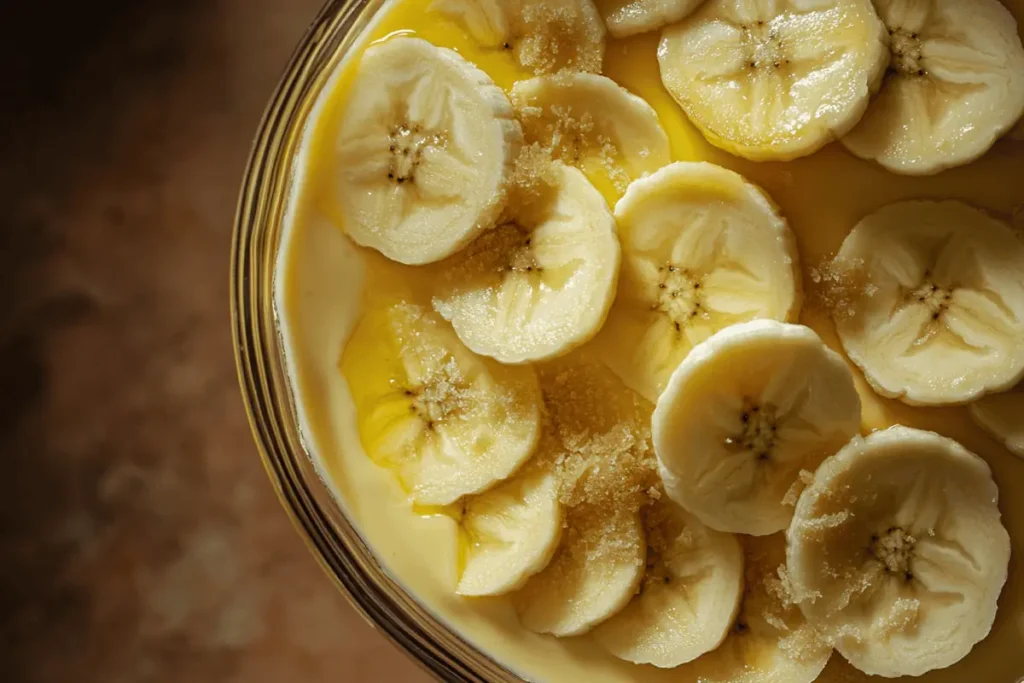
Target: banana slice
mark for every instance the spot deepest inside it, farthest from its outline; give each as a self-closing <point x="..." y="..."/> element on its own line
<point x="689" y="595"/>
<point x="591" y="122"/>
<point x="769" y="641"/>
<point x="546" y="36"/>
<point x="702" y="249"/>
<point x="510" y="532"/>
<point x="625" y="18"/>
<point x="941" y="320"/>
<point x="426" y="147"/>
<point x="774" y="81"/>
<point x="742" y="416"/>
<point x="447" y="421"/>
<point x="540" y="285"/>
<point x="594" y="574"/>
<point x="955" y="85"/>
<point x="897" y="553"/>
<point x="1002" y="416"/>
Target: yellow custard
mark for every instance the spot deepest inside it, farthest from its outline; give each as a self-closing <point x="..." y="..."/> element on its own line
<point x="324" y="282"/>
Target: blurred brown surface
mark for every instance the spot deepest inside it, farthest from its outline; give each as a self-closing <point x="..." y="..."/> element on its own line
<point x="140" y="539"/>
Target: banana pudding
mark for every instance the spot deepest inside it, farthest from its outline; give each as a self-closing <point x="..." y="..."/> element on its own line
<point x="675" y="341"/>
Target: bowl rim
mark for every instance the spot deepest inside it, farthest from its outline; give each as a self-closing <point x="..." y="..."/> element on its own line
<point x="266" y="392"/>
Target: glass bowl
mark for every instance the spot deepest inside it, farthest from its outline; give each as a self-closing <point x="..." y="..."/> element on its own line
<point x="331" y="537"/>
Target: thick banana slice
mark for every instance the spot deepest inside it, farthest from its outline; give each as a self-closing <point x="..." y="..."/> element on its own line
<point x="546" y="36"/>
<point x="702" y="249"/>
<point x="1002" y="415"/>
<point x="955" y="85"/>
<point x="625" y="18"/>
<point x="771" y="80"/>
<point x="689" y="595"/>
<point x="770" y="641"/>
<point x="941" y="320"/>
<point x="510" y="532"/>
<point x="426" y="145"/>
<point x="743" y="415"/>
<point x="591" y="122"/>
<point x="897" y="553"/>
<point x="594" y="574"/>
<point x="540" y="285"/>
<point x="447" y="421"/>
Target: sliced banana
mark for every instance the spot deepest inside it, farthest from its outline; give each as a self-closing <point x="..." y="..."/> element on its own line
<point x="594" y="574"/>
<point x="546" y="36"/>
<point x="1002" y="416"/>
<point x="769" y="641"/>
<point x="541" y="284"/>
<point x="897" y="553"/>
<point x="625" y="18"/>
<point x="941" y="320"/>
<point x="774" y="80"/>
<point x="742" y="416"/>
<point x="955" y="85"/>
<point x="448" y="422"/>
<point x="702" y="249"/>
<point x="426" y="146"/>
<point x="689" y="596"/>
<point x="510" y="532"/>
<point x="591" y="122"/>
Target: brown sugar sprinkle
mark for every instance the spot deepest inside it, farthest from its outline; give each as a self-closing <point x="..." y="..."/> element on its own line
<point x="570" y="137"/>
<point x="836" y="286"/>
<point x="802" y="644"/>
<point x="555" y="38"/>
<point x="533" y="175"/>
<point x="601" y="436"/>
<point x="903" y="617"/>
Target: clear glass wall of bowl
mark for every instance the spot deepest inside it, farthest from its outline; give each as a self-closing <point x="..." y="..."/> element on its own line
<point x="265" y="390"/>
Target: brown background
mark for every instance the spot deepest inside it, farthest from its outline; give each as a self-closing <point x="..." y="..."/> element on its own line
<point x="139" y="538"/>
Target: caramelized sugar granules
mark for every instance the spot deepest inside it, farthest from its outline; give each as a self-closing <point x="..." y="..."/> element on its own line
<point x="571" y="137"/>
<point x="604" y="454"/>
<point x="532" y="176"/>
<point x="557" y="37"/>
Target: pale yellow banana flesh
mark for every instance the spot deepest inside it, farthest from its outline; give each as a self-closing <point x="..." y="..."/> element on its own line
<point x="769" y="641"/>
<point x="743" y="415"/>
<point x="939" y="318"/>
<point x="420" y="173"/>
<point x="689" y="595"/>
<point x="510" y="533"/>
<point x="1002" y="416"/>
<point x="955" y="85"/>
<point x="702" y="249"/>
<point x="631" y="17"/>
<point x="595" y="572"/>
<point x="591" y="122"/>
<point x="897" y="554"/>
<point x="541" y="284"/>
<point x="774" y="80"/>
<point x="448" y="422"/>
<point x="546" y="36"/>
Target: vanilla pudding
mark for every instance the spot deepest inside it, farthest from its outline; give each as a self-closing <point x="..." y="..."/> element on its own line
<point x="336" y="302"/>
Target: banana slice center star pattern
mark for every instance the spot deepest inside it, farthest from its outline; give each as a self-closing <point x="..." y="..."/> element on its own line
<point x="407" y="146"/>
<point x="763" y="43"/>
<point x="894" y="549"/>
<point x="907" y="53"/>
<point x="758" y="434"/>
<point x="679" y="295"/>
